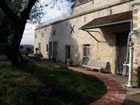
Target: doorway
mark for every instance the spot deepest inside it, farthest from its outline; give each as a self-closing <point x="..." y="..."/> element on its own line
<point x="67" y="53"/>
<point x="121" y="51"/>
<point x="53" y="50"/>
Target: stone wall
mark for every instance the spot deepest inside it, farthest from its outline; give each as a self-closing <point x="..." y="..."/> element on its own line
<point x="104" y="50"/>
<point x="136" y="35"/>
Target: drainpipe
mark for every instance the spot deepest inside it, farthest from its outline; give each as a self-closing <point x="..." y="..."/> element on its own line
<point x="130" y="63"/>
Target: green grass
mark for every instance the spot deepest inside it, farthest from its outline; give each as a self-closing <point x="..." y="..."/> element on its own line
<point x="44" y="84"/>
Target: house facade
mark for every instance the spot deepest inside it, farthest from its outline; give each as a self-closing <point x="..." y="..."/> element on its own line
<point x="96" y="30"/>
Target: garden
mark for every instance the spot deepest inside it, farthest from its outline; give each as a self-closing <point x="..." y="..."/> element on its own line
<point x="45" y="84"/>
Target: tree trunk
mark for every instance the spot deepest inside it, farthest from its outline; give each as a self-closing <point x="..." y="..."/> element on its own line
<point x="15" y="57"/>
<point x="17" y="25"/>
<point x="13" y="49"/>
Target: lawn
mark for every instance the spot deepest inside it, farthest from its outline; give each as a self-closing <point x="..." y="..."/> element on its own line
<point x="44" y="84"/>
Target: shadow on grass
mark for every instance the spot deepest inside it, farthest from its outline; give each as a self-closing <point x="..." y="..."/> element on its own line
<point x="62" y="86"/>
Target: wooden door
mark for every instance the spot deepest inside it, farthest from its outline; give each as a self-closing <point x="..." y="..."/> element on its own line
<point x="67" y="53"/>
<point x="121" y="49"/>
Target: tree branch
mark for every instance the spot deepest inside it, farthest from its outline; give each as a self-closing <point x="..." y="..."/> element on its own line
<point x="26" y="12"/>
<point x="9" y="12"/>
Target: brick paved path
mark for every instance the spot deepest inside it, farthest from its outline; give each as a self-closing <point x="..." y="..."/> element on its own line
<point x="116" y="93"/>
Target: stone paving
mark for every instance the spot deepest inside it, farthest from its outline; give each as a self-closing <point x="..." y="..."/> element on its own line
<point x="132" y="99"/>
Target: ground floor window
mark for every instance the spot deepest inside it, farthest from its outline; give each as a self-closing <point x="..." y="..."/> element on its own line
<point x="86" y="52"/>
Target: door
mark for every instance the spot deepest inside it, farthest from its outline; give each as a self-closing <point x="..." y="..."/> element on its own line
<point x="54" y="50"/>
<point x="121" y="50"/>
<point x="67" y="53"/>
<point x="50" y="50"/>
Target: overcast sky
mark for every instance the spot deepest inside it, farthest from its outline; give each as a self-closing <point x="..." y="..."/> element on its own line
<point x="61" y="10"/>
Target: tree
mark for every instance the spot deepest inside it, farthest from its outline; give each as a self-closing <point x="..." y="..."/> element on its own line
<point x="15" y="13"/>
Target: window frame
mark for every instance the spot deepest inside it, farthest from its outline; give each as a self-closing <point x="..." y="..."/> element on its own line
<point x="86" y="52"/>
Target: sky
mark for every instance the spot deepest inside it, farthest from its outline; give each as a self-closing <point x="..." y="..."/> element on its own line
<point x="61" y="10"/>
<point x="28" y="36"/>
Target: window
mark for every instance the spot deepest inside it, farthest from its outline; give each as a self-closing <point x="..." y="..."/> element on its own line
<point x="52" y="50"/>
<point x="86" y="52"/>
<point x="35" y="36"/>
<point x="84" y="19"/>
<point x="54" y="32"/>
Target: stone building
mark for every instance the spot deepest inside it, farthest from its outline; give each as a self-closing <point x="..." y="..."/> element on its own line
<point x="96" y="30"/>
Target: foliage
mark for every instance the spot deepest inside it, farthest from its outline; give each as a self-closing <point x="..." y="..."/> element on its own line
<point x="16" y="14"/>
<point x="4" y="28"/>
<point x="44" y="84"/>
<point x="20" y="5"/>
<point x="16" y="87"/>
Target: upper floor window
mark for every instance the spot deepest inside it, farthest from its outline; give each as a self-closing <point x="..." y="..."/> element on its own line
<point x="52" y="50"/>
<point x="84" y="19"/>
<point x="54" y="32"/>
<point x="35" y="35"/>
